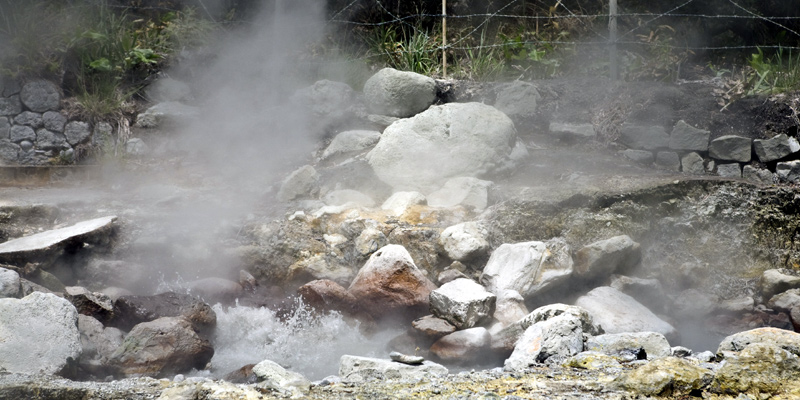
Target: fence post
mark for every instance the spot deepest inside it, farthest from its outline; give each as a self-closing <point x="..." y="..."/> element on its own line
<point x="444" y="39"/>
<point x="612" y="38"/>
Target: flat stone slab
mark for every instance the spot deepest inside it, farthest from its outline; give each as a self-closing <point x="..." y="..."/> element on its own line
<point x="36" y="246"/>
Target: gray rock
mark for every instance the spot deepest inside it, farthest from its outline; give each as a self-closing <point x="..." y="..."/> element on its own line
<point x="528" y="268"/>
<point x="463" y="303"/>
<point x="98" y="342"/>
<point x="399" y="93"/>
<point x="303" y="182"/>
<point x="731" y="148"/>
<point x="508" y="336"/>
<point x="668" y="160"/>
<point x="93" y="304"/>
<point x="369" y="241"/>
<point x="271" y="375"/>
<point x="9" y="86"/>
<point x="510" y="308"/>
<point x="162" y="347"/>
<point x="649" y="292"/>
<point x="469" y="345"/>
<point x="26" y="145"/>
<point x="785" y="301"/>
<point x="463" y="191"/>
<point x="49" y="140"/>
<point x="710" y="165"/>
<point x="654" y="344"/>
<point x="759" y="368"/>
<point x="692" y="163"/>
<point x="5" y="128"/>
<point x="737" y="306"/>
<point x="668" y="376"/>
<point x="592" y="360"/>
<point x="406" y="359"/>
<point x="758" y="175"/>
<point x="103" y="134"/>
<point x="42" y="246"/>
<point x="9" y="283"/>
<point x="360" y="369"/>
<point x="168" y="89"/>
<point x="54" y="121"/>
<point x="464" y="241"/>
<point x="328" y="102"/>
<point x="399" y="202"/>
<point x="40" y="334"/>
<point x="10" y="106"/>
<point x="381" y="120"/>
<point x="617" y="312"/>
<point x="787" y="340"/>
<point x="32" y="119"/>
<point x="651" y="137"/>
<point x="136" y="147"/>
<point x="130" y="311"/>
<point x="788" y="171"/>
<point x="9" y="152"/>
<point x="732" y="170"/>
<point x="775" y="148"/>
<point x="554" y="339"/>
<point x="694" y="304"/>
<point x="449" y="275"/>
<point x="605" y="257"/>
<point x="77" y="132"/>
<point x="40" y="96"/>
<point x="680" y="351"/>
<point x="774" y="281"/>
<point x="351" y="142"/>
<point x="345" y="196"/>
<point x="477" y="139"/>
<point x="517" y="99"/>
<point x="432" y="328"/>
<point x="165" y="114"/>
<point x="572" y="131"/>
<point x="687" y="137"/>
<point x="639" y="156"/>
<point x="19" y="133"/>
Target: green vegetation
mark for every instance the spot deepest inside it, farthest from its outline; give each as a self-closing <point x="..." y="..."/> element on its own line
<point x="779" y="72"/>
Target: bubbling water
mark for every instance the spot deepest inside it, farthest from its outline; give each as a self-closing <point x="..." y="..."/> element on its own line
<point x="305" y="341"/>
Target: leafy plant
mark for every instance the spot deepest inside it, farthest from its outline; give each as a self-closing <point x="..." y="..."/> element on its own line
<point x="778" y="73"/>
<point x="410" y="49"/>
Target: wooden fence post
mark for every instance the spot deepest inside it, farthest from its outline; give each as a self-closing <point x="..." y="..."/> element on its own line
<point x="444" y="38"/>
<point x="612" y="38"/>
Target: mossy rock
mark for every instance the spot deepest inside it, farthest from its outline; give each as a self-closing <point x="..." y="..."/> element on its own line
<point x="759" y="368"/>
<point x="668" y="376"/>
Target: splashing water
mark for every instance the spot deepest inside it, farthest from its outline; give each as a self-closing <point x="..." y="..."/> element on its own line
<point x="305" y="342"/>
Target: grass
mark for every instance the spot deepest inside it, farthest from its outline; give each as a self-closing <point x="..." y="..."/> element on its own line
<point x="777" y="73"/>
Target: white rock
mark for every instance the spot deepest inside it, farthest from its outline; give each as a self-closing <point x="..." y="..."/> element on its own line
<point x="274" y="376"/>
<point x="350" y="142"/>
<point x="464" y="191"/>
<point x="605" y="257"/>
<point x="617" y="312"/>
<point x="399" y="202"/>
<point x="399" y="93"/>
<point x="464" y="241"/>
<point x="558" y="337"/>
<point x="360" y="369"/>
<point x="510" y="307"/>
<point x="654" y="344"/>
<point x="463" y="303"/>
<point x="302" y="182"/>
<point x="528" y="268"/>
<point x="9" y="283"/>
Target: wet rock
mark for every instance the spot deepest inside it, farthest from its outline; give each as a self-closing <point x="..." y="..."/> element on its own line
<point x="432" y="328"/>
<point x="361" y="369"/>
<point x="528" y="268"/>
<point x="303" y="182"/>
<point x="731" y="148"/>
<point x="569" y="131"/>
<point x="351" y="142"/>
<point x="479" y="139"/>
<point x="39" y="334"/>
<point x="390" y="283"/>
<point x="554" y="339"/>
<point x="644" y="137"/>
<point x="348" y="196"/>
<point x="508" y="336"/>
<point x="46" y="246"/>
<point x="93" y="304"/>
<point x="40" y="96"/>
<point x="464" y="241"/>
<point x="732" y="170"/>
<point x="273" y="376"/>
<point x="759" y="367"/>
<point x="9" y="283"/>
<point x="166" y="114"/>
<point x="162" y="347"/>
<point x="592" y="360"/>
<point x="655" y="345"/>
<point x="605" y="257"/>
<point x="133" y="310"/>
<point x="517" y="99"/>
<point x="787" y="340"/>
<point x="774" y="281"/>
<point x="54" y="121"/>
<point x="692" y="163"/>
<point x="775" y="148"/>
<point x="98" y="343"/>
<point x="399" y="93"/>
<point x="758" y="175"/>
<point x="464" y="346"/>
<point x="10" y="106"/>
<point x="399" y="202"/>
<point x="649" y="292"/>
<point x="327" y="295"/>
<point x="670" y="376"/>
<point x="465" y="191"/>
<point x="463" y="303"/>
<point x="213" y="290"/>
<point x="687" y="137"/>
<point x="787" y="171"/>
<point x="617" y="312"/>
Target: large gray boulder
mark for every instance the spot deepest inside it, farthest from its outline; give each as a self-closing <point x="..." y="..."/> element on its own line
<point x="687" y="137"/>
<point x="654" y="344"/>
<point x="464" y="241"/>
<point x="617" y="312"/>
<point x="360" y="369"/>
<point x="651" y="137"/>
<point x="787" y="340"/>
<point x="731" y="148"/>
<point x="517" y="99"/>
<point x="351" y="142"/>
<point x="47" y="245"/>
<point x="692" y="163"/>
<point x="774" y="281"/>
<point x="98" y="343"/>
<point x="788" y="171"/>
<point x="775" y="148"/>
<point x="399" y="202"/>
<point x="54" y="121"/>
<point x="399" y="93"/>
<point x="302" y="182"/>
<point x="759" y="368"/>
<point x="39" y="334"/>
<point x="462" y="191"/>
<point x="46" y="140"/>
<point x="447" y="141"/>
<point x="9" y="283"/>
<point x="463" y="303"/>
<point x="271" y="375"/>
<point x="604" y="257"/>
<point x="558" y="338"/>
<point x="468" y="345"/>
<point x="528" y="268"/>
<point x="508" y="336"/>
<point x="40" y="96"/>
<point x="19" y="133"/>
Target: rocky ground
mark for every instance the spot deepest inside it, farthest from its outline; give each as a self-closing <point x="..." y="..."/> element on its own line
<point x="658" y="241"/>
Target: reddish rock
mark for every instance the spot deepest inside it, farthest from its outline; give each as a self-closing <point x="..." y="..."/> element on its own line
<point x="390" y="284"/>
<point x="327" y="295"/>
<point x="432" y="328"/>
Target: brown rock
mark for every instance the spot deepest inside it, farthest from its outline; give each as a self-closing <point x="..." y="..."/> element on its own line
<point x="132" y="310"/>
<point x="96" y="305"/>
<point x="327" y="295"/>
<point x="390" y="284"/>
<point x="432" y="328"/>
<point x="463" y="346"/>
